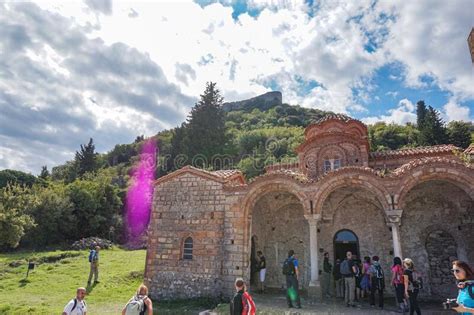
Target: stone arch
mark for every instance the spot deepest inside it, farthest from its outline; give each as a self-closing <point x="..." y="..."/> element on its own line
<point x="441" y="249"/>
<point x="453" y="172"/>
<point x="263" y="185"/>
<point x="276" y="216"/>
<point x="273" y="183"/>
<point x="347" y="177"/>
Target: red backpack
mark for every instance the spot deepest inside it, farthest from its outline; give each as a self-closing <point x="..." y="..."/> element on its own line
<point x="248" y="304"/>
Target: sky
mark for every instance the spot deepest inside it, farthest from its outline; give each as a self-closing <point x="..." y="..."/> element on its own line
<point x="113" y="70"/>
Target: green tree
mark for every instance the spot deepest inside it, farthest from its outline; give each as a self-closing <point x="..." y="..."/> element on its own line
<point x="15" y="203"/>
<point x="205" y="130"/>
<point x="55" y="223"/>
<point x="421" y="111"/>
<point x="86" y="158"/>
<point x="96" y="201"/>
<point x="431" y="127"/>
<point x="44" y="172"/>
<point x="178" y="146"/>
<point x="384" y="136"/>
<point x="66" y="172"/>
<point x="16" y="177"/>
<point x="459" y="133"/>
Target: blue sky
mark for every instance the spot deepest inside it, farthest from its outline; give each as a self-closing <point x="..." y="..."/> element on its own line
<point x="114" y="70"/>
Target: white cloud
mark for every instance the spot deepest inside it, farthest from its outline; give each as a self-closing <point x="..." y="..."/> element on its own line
<point x="402" y="114"/>
<point x="429" y="38"/>
<point x="150" y="55"/>
<point x="454" y="111"/>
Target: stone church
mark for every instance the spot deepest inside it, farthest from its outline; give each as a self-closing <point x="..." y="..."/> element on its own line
<point x="206" y="227"/>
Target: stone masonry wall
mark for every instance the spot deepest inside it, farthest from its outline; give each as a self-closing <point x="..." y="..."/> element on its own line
<point x="186" y="206"/>
<point x="357" y="210"/>
<point x="279" y="225"/>
<point x="436" y="229"/>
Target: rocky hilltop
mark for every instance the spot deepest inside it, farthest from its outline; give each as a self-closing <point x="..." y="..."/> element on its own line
<point x="262" y="102"/>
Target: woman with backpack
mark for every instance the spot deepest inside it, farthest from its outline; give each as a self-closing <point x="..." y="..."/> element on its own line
<point x="465" y="278"/>
<point x="365" y="282"/>
<point x="397" y="282"/>
<point x="139" y="304"/>
<point x="412" y="285"/>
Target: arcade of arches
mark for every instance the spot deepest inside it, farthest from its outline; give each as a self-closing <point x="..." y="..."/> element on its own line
<point x="416" y="203"/>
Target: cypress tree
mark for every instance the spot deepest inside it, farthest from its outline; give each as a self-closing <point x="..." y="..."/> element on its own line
<point x="86" y="158"/>
<point x="205" y="131"/>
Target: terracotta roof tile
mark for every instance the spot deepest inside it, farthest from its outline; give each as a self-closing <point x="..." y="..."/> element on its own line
<point x="470" y="149"/>
<point x="225" y="173"/>
<point x="331" y="116"/>
<point x="443" y="148"/>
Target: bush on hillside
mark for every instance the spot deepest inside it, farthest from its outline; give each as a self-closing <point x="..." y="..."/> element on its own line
<point x="87" y="243"/>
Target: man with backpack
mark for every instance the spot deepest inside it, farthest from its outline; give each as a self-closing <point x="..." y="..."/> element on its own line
<point x="242" y="303"/>
<point x="327" y="269"/>
<point x="290" y="270"/>
<point x="348" y="271"/>
<point x="139" y="304"/>
<point x="377" y="281"/>
<point x="94" y="262"/>
<point x="77" y="306"/>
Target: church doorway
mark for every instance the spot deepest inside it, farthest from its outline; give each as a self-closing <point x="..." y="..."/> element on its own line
<point x="344" y="241"/>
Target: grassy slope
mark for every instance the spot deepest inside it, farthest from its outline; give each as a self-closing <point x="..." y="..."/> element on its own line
<point x="51" y="285"/>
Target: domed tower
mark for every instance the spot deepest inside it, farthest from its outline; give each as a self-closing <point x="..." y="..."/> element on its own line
<point x="332" y="142"/>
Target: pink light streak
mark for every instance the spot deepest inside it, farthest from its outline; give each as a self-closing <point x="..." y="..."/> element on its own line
<point x="140" y="193"/>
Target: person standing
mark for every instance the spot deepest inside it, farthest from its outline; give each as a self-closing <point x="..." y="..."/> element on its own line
<point x="339" y="282"/>
<point x="327" y="269"/>
<point x="399" y="285"/>
<point x="377" y="281"/>
<point x="140" y="303"/>
<point x="77" y="306"/>
<point x="242" y="303"/>
<point x="262" y="270"/>
<point x="348" y="271"/>
<point x="365" y="282"/>
<point x="94" y="263"/>
<point x="465" y="278"/>
<point x="412" y="286"/>
<point x="357" y="276"/>
<point x="290" y="270"/>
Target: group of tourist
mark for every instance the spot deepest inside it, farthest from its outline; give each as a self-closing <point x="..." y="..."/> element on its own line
<point x="354" y="280"/>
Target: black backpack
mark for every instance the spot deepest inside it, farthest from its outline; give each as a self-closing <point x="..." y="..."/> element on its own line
<point x="289" y="267"/>
<point x="75" y="304"/>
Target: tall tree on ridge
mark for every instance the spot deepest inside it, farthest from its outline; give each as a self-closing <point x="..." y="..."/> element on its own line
<point x="86" y="158"/>
<point x="205" y="131"/>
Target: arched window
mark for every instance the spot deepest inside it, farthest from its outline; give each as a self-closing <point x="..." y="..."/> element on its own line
<point x="337" y="163"/>
<point x="327" y="165"/>
<point x="188" y="248"/>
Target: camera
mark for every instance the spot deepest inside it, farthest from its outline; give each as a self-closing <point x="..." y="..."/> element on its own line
<point x="450" y="303"/>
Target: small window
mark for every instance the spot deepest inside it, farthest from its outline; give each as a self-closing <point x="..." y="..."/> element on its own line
<point x="188" y="248"/>
<point x="327" y="165"/>
<point x="337" y="164"/>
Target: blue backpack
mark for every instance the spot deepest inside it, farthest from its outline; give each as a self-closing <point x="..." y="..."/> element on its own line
<point x="92" y="255"/>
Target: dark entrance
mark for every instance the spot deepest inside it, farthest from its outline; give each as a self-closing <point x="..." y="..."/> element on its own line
<point x="344" y="241"/>
<point x="253" y="263"/>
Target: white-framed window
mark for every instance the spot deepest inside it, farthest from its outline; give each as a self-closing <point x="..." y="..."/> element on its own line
<point x="332" y="164"/>
<point x="327" y="165"/>
<point x="188" y="248"/>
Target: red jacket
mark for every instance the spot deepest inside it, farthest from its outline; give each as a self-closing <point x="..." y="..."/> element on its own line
<point x="248" y="304"/>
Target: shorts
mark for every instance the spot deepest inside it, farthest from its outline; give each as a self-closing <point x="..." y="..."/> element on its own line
<point x="262" y="274"/>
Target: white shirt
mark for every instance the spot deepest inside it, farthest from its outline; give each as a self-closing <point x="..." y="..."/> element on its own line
<point x="80" y="309"/>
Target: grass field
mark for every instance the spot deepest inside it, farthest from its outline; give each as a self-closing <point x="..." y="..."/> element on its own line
<point x="54" y="280"/>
